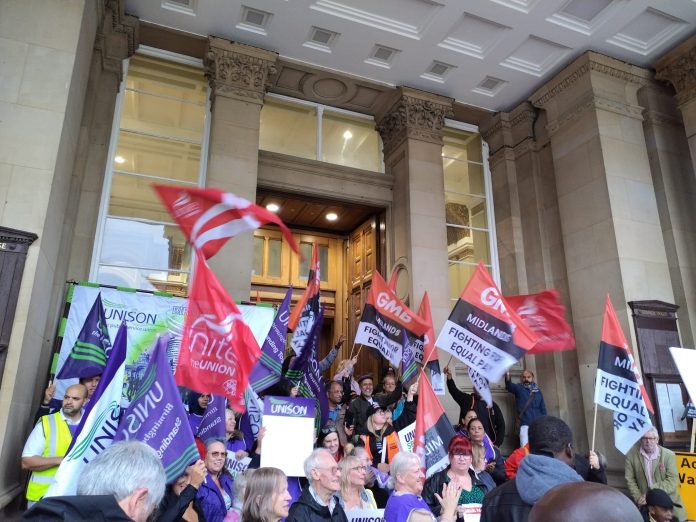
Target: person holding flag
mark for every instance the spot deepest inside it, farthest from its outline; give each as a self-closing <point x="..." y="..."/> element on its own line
<point x="529" y="402"/>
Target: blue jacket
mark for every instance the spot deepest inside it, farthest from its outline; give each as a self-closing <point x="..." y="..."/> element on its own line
<point x="210" y="498"/>
<point x="536" y="407"/>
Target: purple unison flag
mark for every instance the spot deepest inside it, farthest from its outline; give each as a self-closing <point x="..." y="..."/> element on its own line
<point x="213" y="421"/>
<point x="252" y="419"/>
<point x="88" y="355"/>
<point x="156" y="416"/>
<point x="304" y="370"/>
<point x="409" y="367"/>
<point x="267" y="371"/>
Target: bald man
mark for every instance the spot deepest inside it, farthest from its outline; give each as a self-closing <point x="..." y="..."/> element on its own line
<point x="49" y="441"/>
<point x="584" y="502"/>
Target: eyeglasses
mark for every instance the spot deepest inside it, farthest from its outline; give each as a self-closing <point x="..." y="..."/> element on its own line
<point x="217" y="454"/>
<point x="462" y="455"/>
<point x="362" y="469"/>
<point x="326" y="431"/>
<point x="649" y="438"/>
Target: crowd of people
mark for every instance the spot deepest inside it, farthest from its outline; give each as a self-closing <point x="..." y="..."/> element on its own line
<point x="358" y="463"/>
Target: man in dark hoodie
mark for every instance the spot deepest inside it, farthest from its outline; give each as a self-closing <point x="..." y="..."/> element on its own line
<point x="318" y="501"/>
<point x="549" y="463"/>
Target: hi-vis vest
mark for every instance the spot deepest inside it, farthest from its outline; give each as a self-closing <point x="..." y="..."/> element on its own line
<point x="58" y="437"/>
<point x="390" y="447"/>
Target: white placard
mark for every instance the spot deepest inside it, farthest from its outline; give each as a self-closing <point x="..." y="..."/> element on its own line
<point x="289" y="423"/>
<point x="365" y="515"/>
<point x="234" y="466"/>
<point x="685" y="359"/>
<point x="471" y="512"/>
<point x="407" y="436"/>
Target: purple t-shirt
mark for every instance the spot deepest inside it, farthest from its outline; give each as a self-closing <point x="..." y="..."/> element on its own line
<point x="399" y="507"/>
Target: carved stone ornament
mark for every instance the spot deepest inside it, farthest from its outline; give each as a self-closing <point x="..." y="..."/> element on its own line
<point x="239" y="71"/>
<point x="117" y="35"/>
<point x="414" y="118"/>
<point x="681" y="73"/>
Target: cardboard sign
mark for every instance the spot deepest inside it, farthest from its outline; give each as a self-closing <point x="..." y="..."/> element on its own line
<point x="686" y="468"/>
<point x="407" y="436"/>
<point x="289" y="423"/>
<point x="470" y="512"/>
<point x="365" y="515"/>
<point x="234" y="466"/>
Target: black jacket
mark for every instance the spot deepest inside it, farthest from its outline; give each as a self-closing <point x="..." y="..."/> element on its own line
<point x="582" y="466"/>
<point x="172" y="507"/>
<point x="306" y="509"/>
<point x="491" y="418"/>
<point x="359" y="406"/>
<point x="504" y="504"/>
<point x="78" y="508"/>
<point x="434" y="485"/>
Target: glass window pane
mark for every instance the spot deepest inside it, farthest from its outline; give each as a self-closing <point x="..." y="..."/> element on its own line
<point x="274" y="257"/>
<point x="133" y="196"/>
<point x="467" y="245"/>
<point x="351" y="142"/>
<point x="469" y="211"/>
<point x="160" y="116"/>
<point x="133" y="243"/>
<point x="462" y="177"/>
<point x="157" y="157"/>
<point x="257" y="261"/>
<point x="170" y="79"/>
<point x="459" y="276"/>
<point x="324" y="263"/>
<point x="288" y="129"/>
<point x="462" y="145"/>
<point x="143" y="279"/>
<point x="306" y="255"/>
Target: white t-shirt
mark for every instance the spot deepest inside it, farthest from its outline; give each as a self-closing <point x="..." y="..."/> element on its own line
<point x="36" y="442"/>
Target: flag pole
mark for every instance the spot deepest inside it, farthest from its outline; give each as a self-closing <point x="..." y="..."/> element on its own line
<point x="594" y="427"/>
<point x="449" y="361"/>
<point x="693" y="435"/>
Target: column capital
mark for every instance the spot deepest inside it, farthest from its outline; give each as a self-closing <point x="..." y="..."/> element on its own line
<point x="238" y="71"/>
<point x="678" y="67"/>
<point x="507" y="129"/>
<point x="117" y="35"/>
<point x="412" y="114"/>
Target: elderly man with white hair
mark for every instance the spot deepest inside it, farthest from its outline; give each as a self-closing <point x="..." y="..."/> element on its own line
<point x="649" y="466"/>
<point x="406" y="503"/>
<point x="318" y="501"/>
<point x="124" y="482"/>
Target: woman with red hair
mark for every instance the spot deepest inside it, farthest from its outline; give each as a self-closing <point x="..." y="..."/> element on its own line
<point x="474" y="485"/>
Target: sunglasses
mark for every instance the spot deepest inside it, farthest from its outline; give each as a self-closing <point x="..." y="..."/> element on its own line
<point x="326" y="431"/>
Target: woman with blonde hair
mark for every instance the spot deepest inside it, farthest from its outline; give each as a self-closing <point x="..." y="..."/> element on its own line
<point x="266" y="498"/>
<point x="353" y="494"/>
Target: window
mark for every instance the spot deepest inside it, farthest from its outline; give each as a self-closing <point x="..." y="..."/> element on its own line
<point x="159" y="132"/>
<point x="318" y="132"/>
<point x="468" y="212"/>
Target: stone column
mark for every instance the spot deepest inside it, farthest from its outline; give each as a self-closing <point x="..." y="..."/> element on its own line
<point x="607" y="205"/>
<point x="411" y="124"/>
<point x="239" y="76"/>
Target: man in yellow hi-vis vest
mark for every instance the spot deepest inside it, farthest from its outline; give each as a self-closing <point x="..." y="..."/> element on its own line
<point x="49" y="441"/>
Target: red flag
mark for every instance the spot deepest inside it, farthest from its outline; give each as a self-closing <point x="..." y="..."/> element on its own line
<point x="483" y="331"/>
<point x="306" y="311"/>
<point x="218" y="350"/>
<point x="210" y="217"/>
<point x="544" y="314"/>
<point x="612" y="335"/>
<point x="433" y="430"/>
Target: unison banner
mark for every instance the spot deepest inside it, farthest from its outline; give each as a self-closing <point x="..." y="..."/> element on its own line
<point x="147" y="316"/>
<point x="282" y="416"/>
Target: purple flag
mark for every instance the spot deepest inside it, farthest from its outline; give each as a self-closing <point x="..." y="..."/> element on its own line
<point x="409" y="367"/>
<point x="304" y="370"/>
<point x="251" y="421"/>
<point x="156" y="416"/>
<point x="213" y="421"/>
<point x="88" y="355"/>
<point x="267" y="371"/>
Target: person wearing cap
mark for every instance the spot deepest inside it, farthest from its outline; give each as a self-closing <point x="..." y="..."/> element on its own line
<point x="650" y="466"/>
<point x="360" y="404"/>
<point x="658" y="507"/>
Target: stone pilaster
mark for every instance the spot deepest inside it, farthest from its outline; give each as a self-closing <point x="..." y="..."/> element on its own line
<point x="117" y="35"/>
<point x="238" y="76"/>
<point x="609" y="220"/>
<point x="411" y="124"/>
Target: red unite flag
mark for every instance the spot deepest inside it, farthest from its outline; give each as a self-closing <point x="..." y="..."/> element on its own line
<point x="218" y="349"/>
<point x="210" y="217"/>
<point x="433" y="430"/>
<point x="544" y="314"/>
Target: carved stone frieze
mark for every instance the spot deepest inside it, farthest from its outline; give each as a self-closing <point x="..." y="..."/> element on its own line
<point x="681" y="73"/>
<point x="238" y="71"/>
<point x="117" y="35"/>
<point x="413" y="116"/>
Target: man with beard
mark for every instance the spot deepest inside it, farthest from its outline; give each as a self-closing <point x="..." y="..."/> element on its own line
<point x="49" y="442"/>
<point x="529" y="402"/>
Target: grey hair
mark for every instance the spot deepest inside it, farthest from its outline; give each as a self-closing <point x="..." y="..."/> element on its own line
<point x="652" y="429"/>
<point x="312" y="462"/>
<point x="122" y="468"/>
<point x="239" y="486"/>
<point x="399" y="465"/>
<point x="212" y="440"/>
